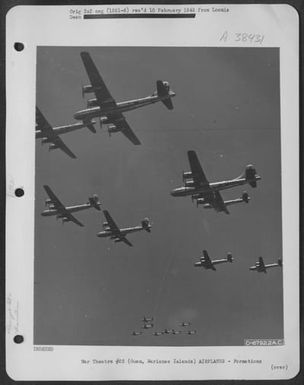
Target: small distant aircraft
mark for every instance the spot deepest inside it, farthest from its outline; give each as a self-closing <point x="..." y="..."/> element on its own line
<point x="147" y="325"/>
<point x="105" y="107"/>
<point x="158" y="333"/>
<point x="119" y="235"/>
<point x="191" y="332"/>
<point x="176" y="331"/>
<point x="136" y="333"/>
<point x="185" y="324"/>
<point x="168" y="331"/>
<point x="198" y="187"/>
<point x="51" y="135"/>
<point x="55" y="207"/>
<point x="261" y="267"/>
<point x="207" y="263"/>
<point x="147" y="319"/>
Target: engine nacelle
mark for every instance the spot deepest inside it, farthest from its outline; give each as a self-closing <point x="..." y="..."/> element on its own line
<point x="45" y="140"/>
<point x="189" y="183"/>
<point x="92" y="103"/>
<point x="200" y="201"/>
<point x="87" y="89"/>
<point x="65" y="220"/>
<point x="187" y="175"/>
<point x="112" y="128"/>
<point x="52" y="147"/>
<point x="48" y="202"/>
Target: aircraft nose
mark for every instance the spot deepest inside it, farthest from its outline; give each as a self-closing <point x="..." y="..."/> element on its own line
<point x="173" y="193"/>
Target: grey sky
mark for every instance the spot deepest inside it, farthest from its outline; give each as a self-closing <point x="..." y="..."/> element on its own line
<point x="91" y="291"/>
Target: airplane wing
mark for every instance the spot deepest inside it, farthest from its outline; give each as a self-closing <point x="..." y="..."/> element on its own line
<point x="60" y="144"/>
<point x="71" y="218"/>
<point x="206" y="256"/>
<point x="48" y="132"/>
<point x="122" y="124"/>
<point x="218" y="202"/>
<point x="261" y="262"/>
<point x="198" y="174"/>
<point x="113" y="227"/>
<point x="56" y="202"/>
<point x="102" y="93"/>
<point x="125" y="240"/>
<point x="60" y="207"/>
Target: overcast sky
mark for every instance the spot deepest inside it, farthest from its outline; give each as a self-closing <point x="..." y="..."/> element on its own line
<point x="89" y="290"/>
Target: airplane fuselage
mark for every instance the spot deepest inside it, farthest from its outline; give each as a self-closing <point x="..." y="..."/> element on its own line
<point x="261" y="269"/>
<point x="107" y="109"/>
<point x="215" y="186"/>
<point x="70" y="209"/>
<point x="128" y="230"/>
<point x="208" y="265"/>
<point x="39" y="134"/>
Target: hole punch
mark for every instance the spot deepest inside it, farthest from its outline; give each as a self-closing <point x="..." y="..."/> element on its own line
<point x="19" y="46"/>
<point x="18" y="339"/>
<point x="19" y="192"/>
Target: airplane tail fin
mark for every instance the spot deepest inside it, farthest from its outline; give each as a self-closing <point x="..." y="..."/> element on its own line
<point x="245" y="197"/>
<point x="280" y="262"/>
<point x="146" y="225"/>
<point x="163" y="91"/>
<point x="94" y="202"/>
<point x="229" y="257"/>
<point x="250" y="175"/>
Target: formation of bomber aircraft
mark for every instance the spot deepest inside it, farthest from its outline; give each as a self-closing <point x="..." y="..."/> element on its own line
<point x="198" y="187"/>
<point x="209" y="264"/>
<point x="195" y="183"/>
<point x="104" y="107"/>
<point x="147" y="324"/>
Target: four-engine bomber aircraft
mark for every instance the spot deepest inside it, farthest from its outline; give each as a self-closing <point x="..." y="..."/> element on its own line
<point x="207" y="263"/>
<point x="119" y="235"/>
<point x="55" y="207"/>
<point x="105" y="107"/>
<point x="50" y="134"/>
<point x="261" y="267"/>
<point x="198" y="187"/>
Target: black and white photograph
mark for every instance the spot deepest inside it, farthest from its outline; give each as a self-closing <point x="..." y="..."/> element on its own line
<point x="156" y="233"/>
<point x="196" y="166"/>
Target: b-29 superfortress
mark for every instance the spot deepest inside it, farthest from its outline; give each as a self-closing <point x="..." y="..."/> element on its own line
<point x="207" y="263"/>
<point x="198" y="187"/>
<point x="112" y="231"/>
<point x="260" y="266"/>
<point x="55" y="207"/>
<point x="105" y="107"/>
